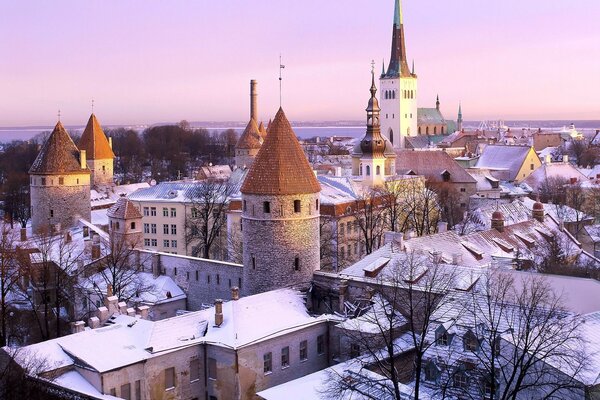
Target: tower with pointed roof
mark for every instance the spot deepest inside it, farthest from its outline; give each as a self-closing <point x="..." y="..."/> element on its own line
<point x="459" y="121"/>
<point x="100" y="156"/>
<point x="59" y="183"/>
<point x="373" y="158"/>
<point x="125" y="226"/>
<point x="248" y="145"/>
<point x="398" y="89"/>
<point x="280" y="214"/>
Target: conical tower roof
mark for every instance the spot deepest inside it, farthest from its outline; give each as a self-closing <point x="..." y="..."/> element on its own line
<point x="251" y="138"/>
<point x="94" y="141"/>
<point x="262" y="130"/>
<point x="281" y="168"/>
<point x="58" y="156"/>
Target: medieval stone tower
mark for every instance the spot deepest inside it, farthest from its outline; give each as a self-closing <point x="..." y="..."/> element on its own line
<point x="125" y="225"/>
<point x="100" y="157"/>
<point x="247" y="147"/>
<point x="280" y="214"/>
<point x="59" y="183"/>
<point x="398" y="85"/>
<point x="373" y="159"/>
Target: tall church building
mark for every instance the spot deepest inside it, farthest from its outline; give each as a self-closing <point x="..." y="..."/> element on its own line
<point x="280" y="214"/>
<point x="100" y="156"/>
<point x="59" y="183"/>
<point x="398" y="99"/>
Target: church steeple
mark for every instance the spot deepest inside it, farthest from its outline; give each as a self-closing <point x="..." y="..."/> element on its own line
<point x="459" y="121"/>
<point x="398" y="63"/>
<point x="437" y="102"/>
<point x="373" y="143"/>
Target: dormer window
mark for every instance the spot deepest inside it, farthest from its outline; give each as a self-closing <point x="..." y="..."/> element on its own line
<point x="470" y="342"/>
<point x="446" y="176"/>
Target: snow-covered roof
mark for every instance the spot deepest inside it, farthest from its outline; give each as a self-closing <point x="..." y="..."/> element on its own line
<point x="73" y="380"/>
<point x="510" y="158"/>
<point x="560" y="171"/>
<point x="338" y="190"/>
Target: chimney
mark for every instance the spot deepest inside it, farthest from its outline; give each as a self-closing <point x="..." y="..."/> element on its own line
<point x="548" y="159"/>
<point x="111" y="304"/>
<point x="102" y="314"/>
<point x="78" y="326"/>
<point x="23" y="234"/>
<point x="95" y="251"/>
<point x="218" y="312"/>
<point x="110" y="142"/>
<point x="253" y="100"/>
<point x="83" y="159"/>
<point x="343" y="288"/>
<point x="442" y="227"/>
<point x="68" y="237"/>
<point x="498" y="221"/>
<point x="565" y="158"/>
<point x="109" y="290"/>
<point x="437" y="257"/>
<point x="156" y="264"/>
<point x="538" y="211"/>
<point x="144" y="310"/>
<point x="122" y="308"/>
<point x="457" y="258"/>
<point x="94" y="322"/>
<point x="235" y="293"/>
<point x="86" y="231"/>
<point x="131" y="312"/>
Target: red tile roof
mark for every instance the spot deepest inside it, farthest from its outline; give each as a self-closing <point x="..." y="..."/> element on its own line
<point x="124" y="209"/>
<point x="251" y="138"/>
<point x="281" y="168"/>
<point x="94" y="141"/>
<point x="58" y="156"/>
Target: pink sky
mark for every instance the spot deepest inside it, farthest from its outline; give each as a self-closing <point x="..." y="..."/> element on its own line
<point x="148" y="61"/>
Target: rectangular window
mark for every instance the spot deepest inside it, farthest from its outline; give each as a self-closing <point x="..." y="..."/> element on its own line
<point x="197" y="275"/>
<point x="146" y="228"/>
<point x="153" y="228"/>
<point x="317" y="204"/>
<point x="266" y="207"/>
<point x="154" y="242"/>
<point x="165" y="212"/>
<point x="173" y="212"/>
<point x="253" y="262"/>
<point x="268" y="363"/>
<point x="194" y="212"/>
<point x="61" y="181"/>
<point x="218" y="279"/>
<point x="169" y="378"/>
<point x="138" y="390"/>
<point x="166" y="229"/>
<point x="51" y="213"/>
<point x="153" y="211"/>
<point x="303" y="350"/>
<point x="173" y="229"/>
<point x="285" y="357"/>
<point x="166" y="243"/>
<point x="354" y="350"/>
<point x="194" y="370"/>
<point x="126" y="391"/>
<point x="207" y="278"/>
<point x="113" y="391"/>
<point x="321" y="344"/>
<point x="244" y="207"/>
<point x="349" y="227"/>
<point x="297" y="264"/>
<point x="296" y="206"/>
<point x="146" y="242"/>
<point x="463" y="190"/>
<point x="532" y="167"/>
<point x="342" y="229"/>
<point x="212" y="368"/>
<point x="146" y="211"/>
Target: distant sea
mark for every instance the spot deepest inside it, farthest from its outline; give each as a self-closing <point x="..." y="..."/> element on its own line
<point x="304" y="130"/>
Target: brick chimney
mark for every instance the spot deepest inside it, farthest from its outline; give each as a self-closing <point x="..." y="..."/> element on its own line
<point x="498" y="221"/>
<point x="538" y="211"/>
<point x="218" y="312"/>
<point x="235" y="293"/>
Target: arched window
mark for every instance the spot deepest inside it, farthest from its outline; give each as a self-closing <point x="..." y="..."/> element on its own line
<point x="391" y="136"/>
<point x="442" y="132"/>
<point x="427" y="130"/>
<point x="296" y="206"/>
<point x="368" y="170"/>
<point x="435" y="130"/>
<point x="378" y="170"/>
<point x="393" y="94"/>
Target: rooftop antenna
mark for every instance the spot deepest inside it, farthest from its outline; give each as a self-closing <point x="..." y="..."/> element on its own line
<point x="281" y="67"/>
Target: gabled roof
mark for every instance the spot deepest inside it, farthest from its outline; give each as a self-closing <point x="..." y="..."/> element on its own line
<point x="281" y="168"/>
<point x="251" y="138"/>
<point x="94" y="141"/>
<point x="510" y="158"/>
<point x="124" y="209"/>
<point x="430" y="116"/>
<point x="431" y="164"/>
<point x="58" y="155"/>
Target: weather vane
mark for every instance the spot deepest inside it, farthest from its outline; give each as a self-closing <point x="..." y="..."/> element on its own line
<point x="281" y="67"/>
<point x="58" y="115"/>
<point x="92" y="106"/>
<point x="372" y="66"/>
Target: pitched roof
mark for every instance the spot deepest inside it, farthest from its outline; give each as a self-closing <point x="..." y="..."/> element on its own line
<point x="124" y="209"/>
<point x="58" y="155"/>
<point x="251" y="138"/>
<point x="94" y="141"/>
<point x="510" y="158"/>
<point x="430" y="116"/>
<point x="431" y="164"/>
<point x="281" y="168"/>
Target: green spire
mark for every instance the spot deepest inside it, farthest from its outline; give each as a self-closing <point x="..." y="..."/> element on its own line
<point x="398" y="19"/>
<point x="413" y="67"/>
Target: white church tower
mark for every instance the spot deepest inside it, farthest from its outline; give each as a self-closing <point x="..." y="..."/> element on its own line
<point x="398" y="98"/>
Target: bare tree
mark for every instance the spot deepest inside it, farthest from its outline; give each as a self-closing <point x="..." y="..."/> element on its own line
<point x="208" y="217"/>
<point x="371" y="217"/>
<point x="519" y="341"/>
<point x="9" y="278"/>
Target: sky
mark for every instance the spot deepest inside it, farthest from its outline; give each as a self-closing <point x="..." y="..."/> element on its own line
<point x="149" y="61"/>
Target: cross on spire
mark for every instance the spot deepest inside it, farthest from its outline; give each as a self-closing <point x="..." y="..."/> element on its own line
<point x="92" y="106"/>
<point x="58" y="115"/>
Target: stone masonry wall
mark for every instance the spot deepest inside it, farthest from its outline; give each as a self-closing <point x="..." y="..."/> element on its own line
<point x="101" y="177"/>
<point x="272" y="241"/>
<point x="66" y="201"/>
